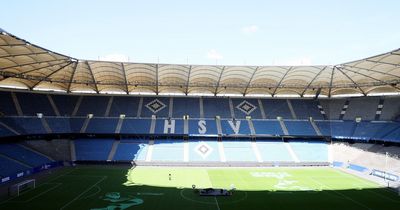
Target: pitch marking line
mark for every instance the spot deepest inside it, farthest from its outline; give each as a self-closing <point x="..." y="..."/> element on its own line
<point x="370" y="184"/>
<point x="38" y="195"/>
<point x="89" y="188"/>
<point x="48" y="182"/>
<point x="216" y="201"/>
<point x="341" y="194"/>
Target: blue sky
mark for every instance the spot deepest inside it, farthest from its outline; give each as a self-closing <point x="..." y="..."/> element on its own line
<point x="208" y="32"/>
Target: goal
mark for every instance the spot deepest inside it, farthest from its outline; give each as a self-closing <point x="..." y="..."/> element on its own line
<point x="16" y="189"/>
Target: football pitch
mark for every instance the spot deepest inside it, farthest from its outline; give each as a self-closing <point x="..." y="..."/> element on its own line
<point x="105" y="188"/>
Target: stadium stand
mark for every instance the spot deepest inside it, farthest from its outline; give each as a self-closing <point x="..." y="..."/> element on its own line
<point x="203" y="150"/>
<point x="186" y="106"/>
<point x="87" y="104"/>
<point x="333" y="108"/>
<point x="216" y="107"/>
<point x="367" y="112"/>
<point x="271" y="127"/>
<point x="23" y="155"/>
<point x="276" y="108"/>
<point x="102" y="125"/>
<point x="303" y="149"/>
<point x="9" y="167"/>
<point x="306" y="108"/>
<point x="167" y="150"/>
<point x="94" y="149"/>
<point x="131" y="149"/>
<point x="239" y="151"/>
<point x="31" y="104"/>
<point x="124" y="105"/>
<point x="274" y="151"/>
<point x="300" y="128"/>
<point x="7" y="106"/>
<point x="65" y="103"/>
<point x="391" y="109"/>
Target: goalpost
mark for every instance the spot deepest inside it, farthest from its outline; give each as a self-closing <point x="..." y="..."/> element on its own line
<point x="16" y="189"/>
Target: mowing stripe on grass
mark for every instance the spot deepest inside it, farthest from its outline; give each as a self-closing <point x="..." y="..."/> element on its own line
<point x="71" y="201"/>
<point x="341" y="194"/>
<point x="39" y="185"/>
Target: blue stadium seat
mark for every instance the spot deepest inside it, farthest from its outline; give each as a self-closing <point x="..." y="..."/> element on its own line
<point x="102" y="125"/>
<point x="306" y="108"/>
<point x="301" y="128"/>
<point x="203" y="150"/>
<point x="65" y="103"/>
<point x="210" y="125"/>
<point x="276" y="108"/>
<point x="273" y="151"/>
<point x="310" y="151"/>
<point x="139" y="126"/>
<point x="24" y="155"/>
<point x="246" y="107"/>
<point x="216" y="107"/>
<point x="227" y="128"/>
<point x="160" y="124"/>
<point x="270" y="127"/>
<point x="7" y="106"/>
<point x="168" y="150"/>
<point x="238" y="151"/>
<point x="31" y="104"/>
<point x="59" y="124"/>
<point x="186" y="106"/>
<point x="155" y="106"/>
<point x="93" y="149"/>
<point x="9" y="167"/>
<point x="133" y="149"/>
<point x="124" y="105"/>
<point x="95" y="105"/>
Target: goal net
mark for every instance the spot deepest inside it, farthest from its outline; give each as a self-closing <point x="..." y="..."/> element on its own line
<point x="16" y="189"/>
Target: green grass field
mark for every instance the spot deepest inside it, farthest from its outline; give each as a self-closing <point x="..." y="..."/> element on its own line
<point x="256" y="188"/>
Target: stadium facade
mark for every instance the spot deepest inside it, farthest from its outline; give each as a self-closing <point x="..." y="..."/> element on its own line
<point x="56" y="109"/>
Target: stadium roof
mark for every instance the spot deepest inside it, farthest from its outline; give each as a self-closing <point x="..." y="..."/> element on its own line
<point x="26" y="66"/>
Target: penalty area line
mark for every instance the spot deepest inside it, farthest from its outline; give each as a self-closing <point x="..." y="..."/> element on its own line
<point x="82" y="193"/>
<point x="216" y="201"/>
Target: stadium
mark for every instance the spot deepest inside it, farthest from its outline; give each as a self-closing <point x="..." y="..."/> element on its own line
<point x="90" y="134"/>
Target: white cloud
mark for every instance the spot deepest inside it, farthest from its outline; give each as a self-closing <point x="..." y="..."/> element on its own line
<point x="250" y="29"/>
<point x="115" y="57"/>
<point x="213" y="54"/>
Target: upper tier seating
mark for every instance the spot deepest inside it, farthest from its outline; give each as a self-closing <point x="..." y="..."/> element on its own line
<point x="186" y="106"/>
<point x="65" y="103"/>
<point x="31" y="104"/>
<point x="362" y="107"/>
<point x="124" y="105"/>
<point x="276" y="108"/>
<point x="216" y="107"/>
<point x="7" y="106"/>
<point x="95" y="105"/>
<point x="332" y="108"/>
<point x="306" y="108"/>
